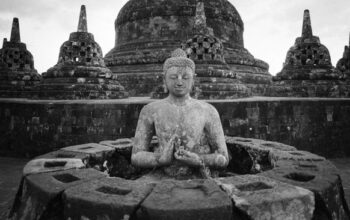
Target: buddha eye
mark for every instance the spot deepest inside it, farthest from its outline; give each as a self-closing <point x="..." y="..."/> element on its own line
<point x="186" y="77"/>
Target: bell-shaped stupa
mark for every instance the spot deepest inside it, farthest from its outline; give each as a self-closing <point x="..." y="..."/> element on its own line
<point x="148" y="31"/>
<point x="17" y="72"/>
<point x="308" y="58"/>
<point x="343" y="64"/>
<point x="80" y="72"/>
<point x="308" y="71"/>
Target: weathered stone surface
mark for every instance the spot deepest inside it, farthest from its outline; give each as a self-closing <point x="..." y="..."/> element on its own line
<point x="120" y="145"/>
<point x="61" y="154"/>
<point x="96" y="151"/>
<point x="17" y="73"/>
<point x="108" y="198"/>
<point x="263" y="198"/>
<point x="80" y="72"/>
<point x="194" y="199"/>
<point x="321" y="179"/>
<point x="253" y="155"/>
<point x="138" y="53"/>
<point x="32" y="127"/>
<point x="48" y="165"/>
<point x="40" y="196"/>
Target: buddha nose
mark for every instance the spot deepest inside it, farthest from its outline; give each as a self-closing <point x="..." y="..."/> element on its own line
<point x="179" y="80"/>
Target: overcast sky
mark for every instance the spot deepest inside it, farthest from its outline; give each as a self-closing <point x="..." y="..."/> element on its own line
<point x="271" y="26"/>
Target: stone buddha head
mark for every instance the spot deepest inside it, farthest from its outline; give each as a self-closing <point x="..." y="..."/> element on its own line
<point x="179" y="72"/>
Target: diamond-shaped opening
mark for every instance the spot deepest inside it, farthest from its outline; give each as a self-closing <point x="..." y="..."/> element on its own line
<point x="52" y="164"/>
<point x="300" y="177"/>
<point x="253" y="187"/>
<point x="66" y="178"/>
<point x="114" y="190"/>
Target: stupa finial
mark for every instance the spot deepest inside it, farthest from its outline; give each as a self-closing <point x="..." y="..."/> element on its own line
<point x="15" y="33"/>
<point x="307" y="28"/>
<point x="200" y="22"/>
<point x="82" y="25"/>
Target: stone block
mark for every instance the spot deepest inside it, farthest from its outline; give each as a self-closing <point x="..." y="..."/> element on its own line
<point x="193" y="199"/>
<point x="256" y="197"/>
<point x="40" y="196"/>
<point x="108" y="198"/>
<point x="120" y="145"/>
<point x="49" y="165"/>
<point x="276" y="156"/>
<point x="60" y="154"/>
<point x="321" y="179"/>
<point x="96" y="151"/>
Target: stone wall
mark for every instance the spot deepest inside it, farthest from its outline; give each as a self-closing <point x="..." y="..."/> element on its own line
<point x="33" y="127"/>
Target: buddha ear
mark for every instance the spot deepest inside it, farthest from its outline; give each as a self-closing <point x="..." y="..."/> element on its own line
<point x="164" y="85"/>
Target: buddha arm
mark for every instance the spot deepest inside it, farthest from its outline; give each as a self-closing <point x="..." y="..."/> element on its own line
<point x="217" y="142"/>
<point x="141" y="155"/>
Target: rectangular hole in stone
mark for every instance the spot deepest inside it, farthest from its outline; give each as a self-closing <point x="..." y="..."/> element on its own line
<point x="85" y="148"/>
<point x="66" y="178"/>
<point x="88" y="59"/>
<point x="300" y="177"/>
<point x="296" y="154"/>
<point x="65" y="156"/>
<point x="114" y="190"/>
<point x="52" y="164"/>
<point x="253" y="186"/>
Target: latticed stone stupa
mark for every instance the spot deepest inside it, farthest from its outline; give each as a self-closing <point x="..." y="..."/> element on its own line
<point x="308" y="58"/>
<point x="308" y="70"/>
<point x="17" y="72"/>
<point x="214" y="77"/>
<point x="147" y="32"/>
<point x="343" y="64"/>
<point x="80" y="72"/>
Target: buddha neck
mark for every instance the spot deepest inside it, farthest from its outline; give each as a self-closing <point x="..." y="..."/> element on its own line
<point x="179" y="101"/>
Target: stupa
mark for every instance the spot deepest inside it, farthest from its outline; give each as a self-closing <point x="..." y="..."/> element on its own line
<point x="17" y="72"/>
<point x="147" y="32"/>
<point x="343" y="64"/>
<point x="80" y="72"/>
<point x="214" y="78"/>
<point x="308" y="70"/>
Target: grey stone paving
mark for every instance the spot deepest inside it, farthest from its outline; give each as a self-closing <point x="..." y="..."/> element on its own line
<point x="11" y="171"/>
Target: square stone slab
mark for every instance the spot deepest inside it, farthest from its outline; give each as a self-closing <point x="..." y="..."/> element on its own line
<point x="263" y="198"/>
<point x="40" y="195"/>
<point x="96" y="151"/>
<point x="108" y="198"/>
<point x="49" y="165"/>
<point x="192" y="199"/>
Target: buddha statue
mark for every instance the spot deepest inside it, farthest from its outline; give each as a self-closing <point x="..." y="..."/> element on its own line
<point x="189" y="131"/>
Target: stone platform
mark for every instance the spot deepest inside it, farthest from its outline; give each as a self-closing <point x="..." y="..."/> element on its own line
<point x="277" y="181"/>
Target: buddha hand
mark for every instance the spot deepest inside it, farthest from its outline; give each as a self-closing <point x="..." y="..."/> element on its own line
<point x="187" y="157"/>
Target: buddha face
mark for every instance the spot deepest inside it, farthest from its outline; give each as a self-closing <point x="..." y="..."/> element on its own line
<point x="179" y="80"/>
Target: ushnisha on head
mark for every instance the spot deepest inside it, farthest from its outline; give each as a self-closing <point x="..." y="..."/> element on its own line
<point x="178" y="74"/>
<point x="178" y="59"/>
